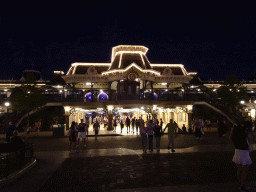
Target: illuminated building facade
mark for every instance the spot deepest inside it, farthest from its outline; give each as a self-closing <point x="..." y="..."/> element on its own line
<point x="130" y="83"/>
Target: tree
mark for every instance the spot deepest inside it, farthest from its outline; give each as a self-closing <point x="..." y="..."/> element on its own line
<point x="28" y="98"/>
<point x="231" y="92"/>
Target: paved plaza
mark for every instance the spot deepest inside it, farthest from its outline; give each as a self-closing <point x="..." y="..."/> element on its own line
<point x="116" y="162"/>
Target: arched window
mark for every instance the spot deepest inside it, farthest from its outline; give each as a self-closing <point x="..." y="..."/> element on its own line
<point x="155" y="96"/>
<point x="103" y="97"/>
<point x="88" y="97"/>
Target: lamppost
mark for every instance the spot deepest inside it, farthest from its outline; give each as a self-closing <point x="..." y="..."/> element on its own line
<point x="7" y="104"/>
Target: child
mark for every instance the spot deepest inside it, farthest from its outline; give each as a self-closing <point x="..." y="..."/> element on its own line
<point x="72" y="137"/>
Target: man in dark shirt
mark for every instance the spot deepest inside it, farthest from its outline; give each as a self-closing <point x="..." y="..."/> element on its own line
<point x="81" y="133"/>
<point x="128" y="122"/>
<point x="16" y="141"/>
<point x="9" y="132"/>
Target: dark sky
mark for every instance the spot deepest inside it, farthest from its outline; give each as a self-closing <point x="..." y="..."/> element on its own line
<point x="215" y="38"/>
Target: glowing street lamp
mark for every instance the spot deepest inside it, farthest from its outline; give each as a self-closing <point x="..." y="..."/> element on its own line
<point x="7" y="105"/>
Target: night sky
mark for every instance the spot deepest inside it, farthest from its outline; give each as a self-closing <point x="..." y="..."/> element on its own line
<point x="214" y="38"/>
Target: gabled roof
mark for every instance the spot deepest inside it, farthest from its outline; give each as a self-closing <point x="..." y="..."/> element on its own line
<point x="124" y="55"/>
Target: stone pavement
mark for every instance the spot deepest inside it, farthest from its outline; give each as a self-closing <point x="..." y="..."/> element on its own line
<point x="116" y="162"/>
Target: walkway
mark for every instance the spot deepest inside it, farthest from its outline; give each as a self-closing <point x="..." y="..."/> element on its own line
<point x="117" y="163"/>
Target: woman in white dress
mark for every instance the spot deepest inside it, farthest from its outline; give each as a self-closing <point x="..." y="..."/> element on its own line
<point x="241" y="158"/>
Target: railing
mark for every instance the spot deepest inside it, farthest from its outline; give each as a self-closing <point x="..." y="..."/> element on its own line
<point x="12" y="161"/>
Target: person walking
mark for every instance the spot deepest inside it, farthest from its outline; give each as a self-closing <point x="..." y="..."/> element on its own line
<point x="121" y="125"/>
<point x="158" y="133"/>
<point x="128" y="122"/>
<point x="72" y="137"/>
<point x="9" y="131"/>
<point x="96" y="128"/>
<point x="81" y="133"/>
<point x="171" y="132"/>
<point x="133" y="124"/>
<point x="143" y="133"/>
<point x="114" y="125"/>
<point x="197" y="127"/>
<point x="222" y="128"/>
<point x="86" y="129"/>
<point x="151" y="128"/>
<point x="137" y="124"/>
<point x="241" y="157"/>
<point x="161" y="123"/>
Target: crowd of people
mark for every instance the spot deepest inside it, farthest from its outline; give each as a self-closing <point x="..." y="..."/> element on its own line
<point x="241" y="135"/>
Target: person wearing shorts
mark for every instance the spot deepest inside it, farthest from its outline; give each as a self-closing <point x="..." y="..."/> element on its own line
<point x="171" y="132"/>
<point x="81" y="133"/>
<point x="241" y="157"/>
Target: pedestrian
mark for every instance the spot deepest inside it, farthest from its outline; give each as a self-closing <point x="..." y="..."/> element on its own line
<point x="241" y="157"/>
<point x="197" y="127"/>
<point x="9" y="131"/>
<point x="121" y="125"/>
<point x="17" y="141"/>
<point x="171" y="132"/>
<point x="96" y="128"/>
<point x="133" y="124"/>
<point x="222" y="128"/>
<point x="143" y="133"/>
<point x="158" y="133"/>
<point x="72" y="137"/>
<point x="248" y="128"/>
<point x="161" y="123"/>
<point x="87" y="128"/>
<point x="81" y="133"/>
<point x="137" y="124"/>
<point x="184" y="129"/>
<point x="208" y="125"/>
<point x="151" y="128"/>
<point x="114" y="125"/>
<point x="36" y="127"/>
<point x="128" y="122"/>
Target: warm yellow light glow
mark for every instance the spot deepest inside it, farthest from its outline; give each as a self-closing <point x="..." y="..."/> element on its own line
<point x="91" y="64"/>
<point x="7" y="104"/>
<point x="132" y="65"/>
<point x="127" y="49"/>
<point x="67" y="109"/>
<point x="190" y="107"/>
<point x="171" y="65"/>
<point x="253" y="113"/>
<point x="242" y="102"/>
<point x="192" y="73"/>
<point x="58" y="72"/>
<point x="110" y="108"/>
<point x="120" y="61"/>
<point x="142" y="59"/>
